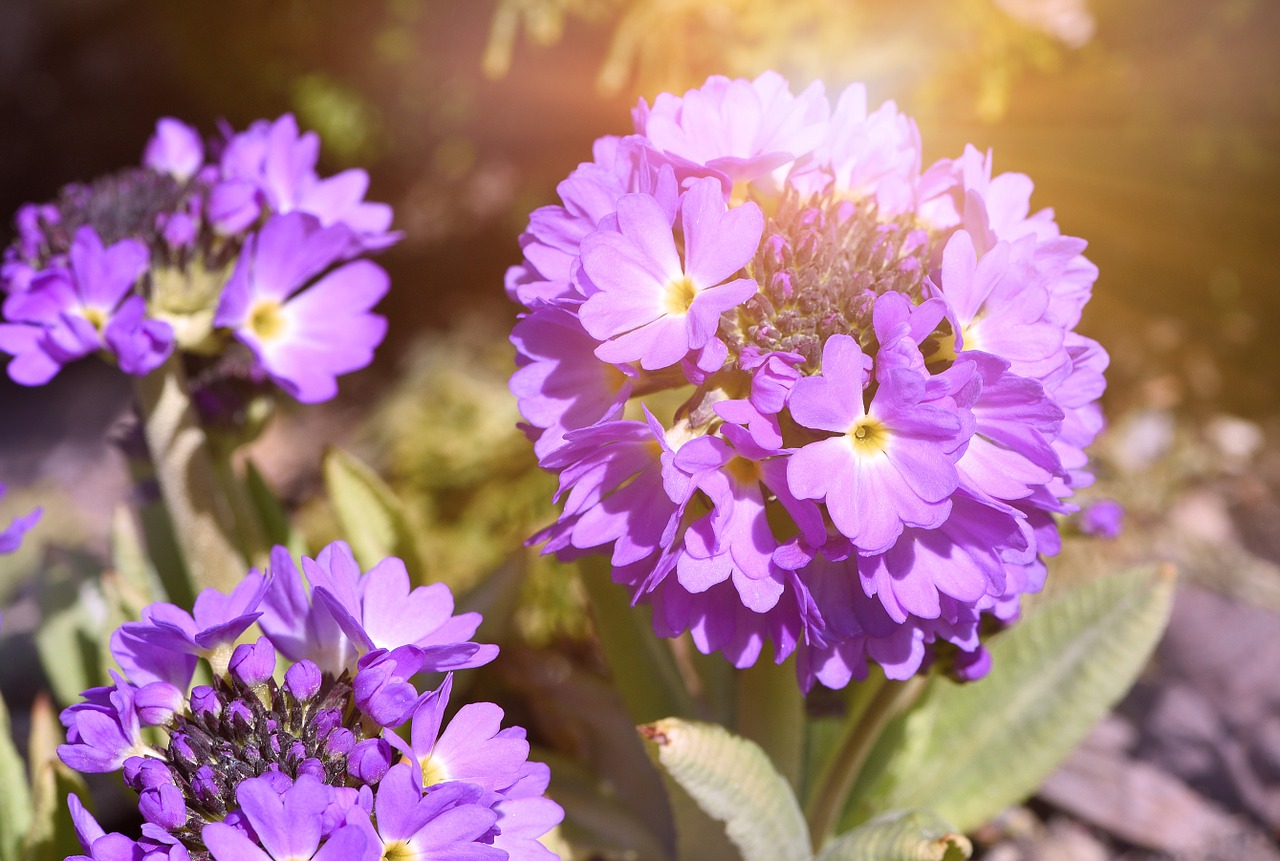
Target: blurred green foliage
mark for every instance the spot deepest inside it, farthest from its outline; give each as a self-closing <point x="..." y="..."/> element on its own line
<point x="937" y="49"/>
<point x="467" y="475"/>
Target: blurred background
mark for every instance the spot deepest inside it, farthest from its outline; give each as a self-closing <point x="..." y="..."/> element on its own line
<point x="1152" y="127"/>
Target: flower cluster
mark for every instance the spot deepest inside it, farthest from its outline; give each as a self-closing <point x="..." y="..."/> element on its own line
<point x="800" y="389"/>
<point x="251" y="248"/>
<point x="303" y="763"/>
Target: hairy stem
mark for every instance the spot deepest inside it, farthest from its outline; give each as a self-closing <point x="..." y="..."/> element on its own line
<point x="203" y="520"/>
<point x="864" y="728"/>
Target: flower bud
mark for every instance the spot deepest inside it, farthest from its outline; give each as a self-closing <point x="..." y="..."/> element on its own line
<point x="369" y="760"/>
<point x="253" y="663"/>
<point x="302" y="680"/>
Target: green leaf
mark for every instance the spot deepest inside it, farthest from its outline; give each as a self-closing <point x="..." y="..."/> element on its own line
<point x="733" y="781"/>
<point x="912" y="836"/>
<point x="373" y="520"/>
<point x="51" y="834"/>
<point x="76" y="617"/>
<point x="271" y="514"/>
<point x="139" y="579"/>
<point x="969" y="751"/>
<point x="15" y="799"/>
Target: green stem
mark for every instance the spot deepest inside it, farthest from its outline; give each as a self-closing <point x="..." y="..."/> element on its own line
<point x="865" y="725"/>
<point x="203" y="521"/>
<point x="770" y="712"/>
<point x="644" y="671"/>
<point x="251" y="535"/>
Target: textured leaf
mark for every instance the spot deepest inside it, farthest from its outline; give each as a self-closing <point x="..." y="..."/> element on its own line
<point x="15" y="798"/>
<point x="914" y="836"/>
<point x="372" y="519"/>
<point x="274" y="519"/>
<point x="969" y="751"/>
<point x="733" y="781"/>
<point x="51" y="834"/>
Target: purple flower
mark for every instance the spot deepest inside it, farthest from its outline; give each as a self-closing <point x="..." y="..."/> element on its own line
<point x="473" y="748"/>
<point x="174" y="149"/>
<point x="253" y="663"/>
<point x="446" y="823"/>
<point x="287" y="826"/>
<point x="66" y="314"/>
<point x="1103" y="519"/>
<point x="102" y="846"/>
<point x="271" y="166"/>
<point x="11" y="535"/>
<point x="745" y="130"/>
<point x="305" y="334"/>
<point x="104" y="732"/>
<point x="173" y="230"/>
<point x="893" y="462"/>
<point x="346" y="614"/>
<point x="165" y="644"/>
<point x="249" y="768"/>
<point x="649" y="306"/>
<point x="863" y="391"/>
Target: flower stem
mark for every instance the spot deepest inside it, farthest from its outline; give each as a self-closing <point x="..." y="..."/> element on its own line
<point x="644" y="672"/>
<point x="770" y="712"/>
<point x="865" y="725"/>
<point x="203" y="521"/>
<point x="248" y="525"/>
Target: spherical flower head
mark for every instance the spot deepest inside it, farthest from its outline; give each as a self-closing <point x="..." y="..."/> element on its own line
<point x="862" y="389"/>
<point x="250" y="768"/>
<point x="179" y="253"/>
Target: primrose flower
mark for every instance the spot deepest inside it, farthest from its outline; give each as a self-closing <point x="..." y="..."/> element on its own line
<point x="303" y="334"/>
<point x="243" y="263"/>
<point x="248" y="767"/>
<point x="862" y="391"/>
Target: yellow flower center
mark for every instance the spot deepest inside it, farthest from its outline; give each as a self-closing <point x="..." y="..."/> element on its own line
<point x="869" y="436"/>
<point x="397" y="850"/>
<point x="265" y="319"/>
<point x="680" y="295"/>
<point x="96" y="317"/>
<point x="744" y="470"/>
<point x="433" y="771"/>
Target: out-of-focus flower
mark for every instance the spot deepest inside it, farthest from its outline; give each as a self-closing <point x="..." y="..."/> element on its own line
<point x="11" y="535"/>
<point x="1104" y="518"/>
<point x="193" y="255"/>
<point x="253" y="768"/>
<point x="854" y="449"/>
